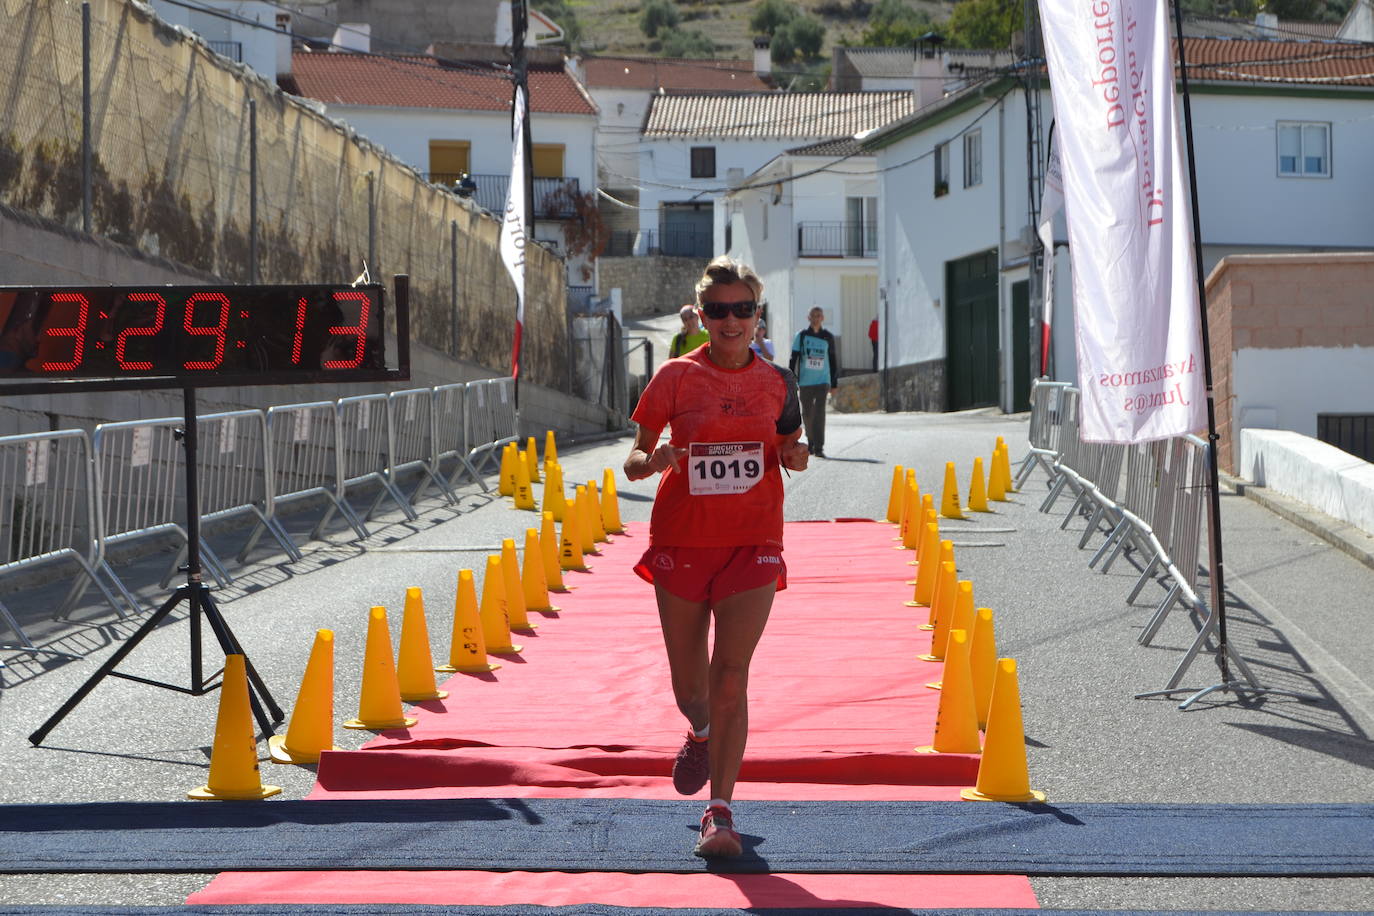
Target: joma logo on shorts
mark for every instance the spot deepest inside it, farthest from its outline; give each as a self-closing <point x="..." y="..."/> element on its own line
<point x="766" y="559"/>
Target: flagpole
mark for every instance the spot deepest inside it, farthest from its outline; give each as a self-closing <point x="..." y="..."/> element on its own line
<point x="519" y="13"/>
<point x="1248" y="684"/>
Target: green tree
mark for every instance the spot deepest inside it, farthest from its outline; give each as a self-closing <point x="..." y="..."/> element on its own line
<point x="560" y="12"/>
<point x="770" y="15"/>
<point x="893" y="24"/>
<point x="658" y="15"/>
<point x="686" y="43"/>
<point x="985" y="23"/>
<point x="802" y="37"/>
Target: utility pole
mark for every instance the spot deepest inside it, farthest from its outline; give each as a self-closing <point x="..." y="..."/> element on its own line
<point x="519" y="13"/>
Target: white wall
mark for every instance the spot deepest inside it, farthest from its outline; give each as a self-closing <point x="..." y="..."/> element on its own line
<point x="1242" y="199"/>
<point x="665" y="170"/>
<point x="1286" y="389"/>
<point x="618" y="127"/>
<point x="265" y="49"/>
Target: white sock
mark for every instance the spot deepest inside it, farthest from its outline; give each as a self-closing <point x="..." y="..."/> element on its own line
<point x="718" y="803"/>
<point x="704" y="733"/>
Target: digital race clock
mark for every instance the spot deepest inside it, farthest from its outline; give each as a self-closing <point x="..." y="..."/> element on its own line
<point x="162" y="336"/>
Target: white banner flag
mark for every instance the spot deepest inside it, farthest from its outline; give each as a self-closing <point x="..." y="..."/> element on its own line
<point x="513" y="230"/>
<point x="1051" y="203"/>
<point x="1140" y="360"/>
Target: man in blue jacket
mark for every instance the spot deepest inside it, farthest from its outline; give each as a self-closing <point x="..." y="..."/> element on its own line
<point x="816" y="364"/>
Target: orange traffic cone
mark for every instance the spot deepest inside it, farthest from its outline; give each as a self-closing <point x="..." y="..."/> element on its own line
<point x="894" y="496"/>
<point x="1002" y="773"/>
<point x="925" y="572"/>
<point x="911" y="530"/>
<point x="570" y="545"/>
<point x="311" y="729"/>
<point x="415" y="662"/>
<point x="554" y="500"/>
<point x="548" y="543"/>
<point x="942" y="611"/>
<point x="379" y="705"/>
<point x="586" y="531"/>
<point x="505" y="484"/>
<point x="532" y="459"/>
<point x="960" y="618"/>
<point x="535" y="582"/>
<point x="982" y="660"/>
<point x="941" y="556"/>
<point x="594" y="504"/>
<point x="495" y="623"/>
<point x="949" y="498"/>
<point x="1004" y="468"/>
<point x="997" y="488"/>
<point x="234" y="758"/>
<point x="903" y="506"/>
<point x="550" y="447"/>
<point x="467" y="649"/>
<point x="610" y="504"/>
<point x="524" y="490"/>
<point x="977" y="494"/>
<point x="956" y="722"/>
<point x="515" y="589"/>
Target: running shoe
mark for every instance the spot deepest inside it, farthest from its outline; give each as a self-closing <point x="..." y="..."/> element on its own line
<point x="718" y="836"/>
<point x="692" y="766"/>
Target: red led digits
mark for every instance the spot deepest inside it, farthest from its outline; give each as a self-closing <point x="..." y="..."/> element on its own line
<point x="216" y="331"/>
<point x="122" y="340"/>
<point x="358" y="330"/>
<point x="300" y="332"/>
<point x="77" y="331"/>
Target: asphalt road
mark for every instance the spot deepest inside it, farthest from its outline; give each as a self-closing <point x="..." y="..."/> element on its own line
<point x="1299" y="613"/>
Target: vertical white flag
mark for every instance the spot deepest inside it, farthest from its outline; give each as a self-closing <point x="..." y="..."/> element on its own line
<point x="513" y="230"/>
<point x="1051" y="202"/>
<point x="1140" y="360"/>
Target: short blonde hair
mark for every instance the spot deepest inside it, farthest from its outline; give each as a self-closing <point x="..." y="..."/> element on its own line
<point x="724" y="270"/>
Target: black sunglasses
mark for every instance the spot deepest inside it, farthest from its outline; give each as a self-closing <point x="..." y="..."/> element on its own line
<point x="718" y="310"/>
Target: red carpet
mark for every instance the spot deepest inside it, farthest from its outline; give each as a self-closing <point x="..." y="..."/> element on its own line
<point x="837" y="702"/>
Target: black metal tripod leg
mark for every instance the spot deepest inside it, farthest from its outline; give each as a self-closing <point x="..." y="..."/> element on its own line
<point x="110" y="664"/>
<point x="258" y="694"/>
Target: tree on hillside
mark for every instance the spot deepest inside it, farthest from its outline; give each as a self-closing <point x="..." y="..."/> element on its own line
<point x="770" y="15"/>
<point x="984" y="23"/>
<point x="794" y="34"/>
<point x="658" y="15"/>
<point x="560" y="12"/>
<point x="686" y="43"/>
<point x="893" y="24"/>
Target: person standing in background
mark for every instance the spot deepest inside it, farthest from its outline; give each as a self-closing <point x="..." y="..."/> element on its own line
<point x="873" y="339"/>
<point x="691" y="336"/>
<point x="816" y="365"/>
<point x="762" y="345"/>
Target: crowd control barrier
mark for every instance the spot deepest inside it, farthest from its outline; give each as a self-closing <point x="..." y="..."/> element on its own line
<point x="304" y="462"/>
<point x="490" y="421"/>
<point x="1046" y="428"/>
<point x="365" y="436"/>
<point x="412" y="442"/>
<point x="48" y="514"/>
<point x="451" y="436"/>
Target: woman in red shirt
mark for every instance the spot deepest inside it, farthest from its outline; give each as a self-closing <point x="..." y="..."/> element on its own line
<point x="715" y="535"/>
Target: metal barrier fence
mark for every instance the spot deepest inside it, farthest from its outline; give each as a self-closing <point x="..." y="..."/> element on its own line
<point x="65" y="495"/>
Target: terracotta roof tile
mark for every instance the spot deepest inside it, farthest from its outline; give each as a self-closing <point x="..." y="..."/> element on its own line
<point x="423" y="82"/>
<point x="1313" y="63"/>
<point x="776" y="115"/>
<point x="672" y="74"/>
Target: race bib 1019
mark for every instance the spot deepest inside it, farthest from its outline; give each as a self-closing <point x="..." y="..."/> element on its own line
<point x="717" y="468"/>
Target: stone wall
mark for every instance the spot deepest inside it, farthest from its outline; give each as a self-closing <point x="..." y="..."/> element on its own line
<point x="916" y="386"/>
<point x="650" y="285"/>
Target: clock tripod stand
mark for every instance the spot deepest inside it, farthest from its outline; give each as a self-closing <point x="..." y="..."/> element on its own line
<point x="201" y="609"/>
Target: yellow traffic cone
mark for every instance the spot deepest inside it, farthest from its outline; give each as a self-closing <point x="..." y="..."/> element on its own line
<point x="586" y="529"/>
<point x="949" y="499"/>
<point x="1002" y="773"/>
<point x="415" y="661"/>
<point x="894" y="495"/>
<point x="570" y="545"/>
<point x="925" y="572"/>
<point x="515" y="589"/>
<point x="977" y="494"/>
<point x="610" y="504"/>
<point x="379" y="703"/>
<point x="234" y="758"/>
<point x="1004" y="468"/>
<point x="956" y="722"/>
<point x="532" y="459"/>
<point x="598" y="523"/>
<point x="311" y="729"/>
<point x="960" y="618"/>
<point x="911" y="528"/>
<point x="524" y="491"/>
<point x="505" y="485"/>
<point x="532" y="577"/>
<point x="495" y="623"/>
<point x="930" y="517"/>
<point x="554" y="500"/>
<point x="903" y="507"/>
<point x="467" y="648"/>
<point x="982" y="660"/>
<point x="548" y="544"/>
<point x="942" y="555"/>
<point x="550" y="447"/>
<point x="997" y="489"/>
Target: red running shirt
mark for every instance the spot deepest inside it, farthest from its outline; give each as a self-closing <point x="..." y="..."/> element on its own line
<point x="704" y="404"/>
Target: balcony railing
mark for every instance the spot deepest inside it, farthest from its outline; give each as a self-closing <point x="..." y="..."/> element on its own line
<point x="230" y="49"/>
<point x="837" y="239"/>
<point x="552" y="196"/>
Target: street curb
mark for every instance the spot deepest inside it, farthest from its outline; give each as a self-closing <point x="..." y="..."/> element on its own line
<point x="1342" y="535"/>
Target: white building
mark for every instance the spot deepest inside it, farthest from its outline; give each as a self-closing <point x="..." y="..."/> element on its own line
<point x="250" y="32"/>
<point x="808" y="223"/>
<point x="1283" y="131"/>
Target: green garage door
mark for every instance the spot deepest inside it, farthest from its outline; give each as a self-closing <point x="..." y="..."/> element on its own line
<point x="971" y="331"/>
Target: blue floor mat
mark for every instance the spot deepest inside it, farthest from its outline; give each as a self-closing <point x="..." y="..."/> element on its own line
<point x="635" y="835"/>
